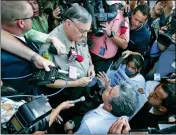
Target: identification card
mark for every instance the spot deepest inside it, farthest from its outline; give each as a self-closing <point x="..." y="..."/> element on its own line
<point x="72" y="72"/>
<point x="102" y="51"/>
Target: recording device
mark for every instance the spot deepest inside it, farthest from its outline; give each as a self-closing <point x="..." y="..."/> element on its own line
<point x="79" y="100"/>
<point x="96" y="9"/>
<point x="64" y="5"/>
<point x="72" y="55"/>
<point x="30" y="117"/>
<point x="42" y="77"/>
<point x="157" y="77"/>
<point x="165" y="38"/>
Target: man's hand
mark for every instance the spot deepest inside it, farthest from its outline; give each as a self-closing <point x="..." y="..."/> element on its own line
<point x="41" y="62"/>
<point x="126" y="53"/>
<point x="60" y="47"/>
<point x="56" y="13"/>
<point x="103" y="78"/>
<point x="106" y="28"/>
<point x="63" y="106"/>
<point x="172" y="80"/>
<point x="91" y="72"/>
<point x="82" y="82"/>
<point x="120" y="126"/>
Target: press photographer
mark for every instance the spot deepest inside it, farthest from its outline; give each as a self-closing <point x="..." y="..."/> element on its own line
<point x="115" y="35"/>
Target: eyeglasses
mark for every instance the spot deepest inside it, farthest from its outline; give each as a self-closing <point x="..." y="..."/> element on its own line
<point x="82" y="32"/>
<point x="25" y="18"/>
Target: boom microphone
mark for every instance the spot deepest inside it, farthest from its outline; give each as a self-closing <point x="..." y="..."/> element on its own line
<point x="79" y="100"/>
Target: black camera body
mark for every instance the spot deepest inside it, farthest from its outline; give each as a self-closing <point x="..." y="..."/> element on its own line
<point x="42" y="77"/>
<point x="30" y="117"/>
<point x="165" y="38"/>
<point x="99" y="15"/>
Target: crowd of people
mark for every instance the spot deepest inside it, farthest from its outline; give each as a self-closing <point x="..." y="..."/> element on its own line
<point x="127" y="75"/>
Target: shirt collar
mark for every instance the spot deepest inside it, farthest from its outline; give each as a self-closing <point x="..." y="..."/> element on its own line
<point x="22" y="38"/>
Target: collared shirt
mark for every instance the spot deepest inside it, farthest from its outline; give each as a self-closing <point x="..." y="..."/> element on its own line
<point x="97" y="121"/>
<point x="106" y="42"/>
<point x="61" y="60"/>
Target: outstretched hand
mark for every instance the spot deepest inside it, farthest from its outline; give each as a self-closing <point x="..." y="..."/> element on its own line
<point x="103" y="78"/>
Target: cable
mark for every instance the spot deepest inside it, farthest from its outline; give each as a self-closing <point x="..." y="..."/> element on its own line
<point x="39" y="95"/>
<point x="59" y="90"/>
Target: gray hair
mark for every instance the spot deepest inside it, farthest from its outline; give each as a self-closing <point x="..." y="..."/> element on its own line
<point x="125" y="104"/>
<point x="78" y="13"/>
<point x="11" y="10"/>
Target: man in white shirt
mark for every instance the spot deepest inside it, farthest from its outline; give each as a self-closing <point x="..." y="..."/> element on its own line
<point x="120" y="100"/>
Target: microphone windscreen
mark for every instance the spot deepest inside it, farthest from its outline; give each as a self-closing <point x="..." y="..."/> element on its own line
<point x="79" y="58"/>
<point x="123" y="30"/>
<point x="82" y="98"/>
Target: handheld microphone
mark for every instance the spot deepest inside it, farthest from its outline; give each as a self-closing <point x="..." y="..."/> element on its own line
<point x="79" y="100"/>
<point x="157" y="77"/>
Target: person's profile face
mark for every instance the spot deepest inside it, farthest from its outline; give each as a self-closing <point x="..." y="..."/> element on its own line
<point x="156" y="97"/>
<point x="159" y="7"/>
<point x="137" y="19"/>
<point x="34" y="6"/>
<point x="109" y="93"/>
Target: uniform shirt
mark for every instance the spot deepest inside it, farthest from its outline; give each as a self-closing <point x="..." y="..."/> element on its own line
<point x="61" y="60"/>
<point x="108" y="43"/>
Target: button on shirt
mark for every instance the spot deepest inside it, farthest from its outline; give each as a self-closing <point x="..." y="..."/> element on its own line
<point x="61" y="60"/>
<point x="99" y="42"/>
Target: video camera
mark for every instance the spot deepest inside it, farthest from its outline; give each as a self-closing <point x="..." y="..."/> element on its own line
<point x="97" y="10"/>
<point x="30" y="117"/>
<point x="165" y="38"/>
<point x="64" y="5"/>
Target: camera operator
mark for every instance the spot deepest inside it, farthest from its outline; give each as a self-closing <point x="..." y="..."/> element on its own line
<point x="116" y="35"/>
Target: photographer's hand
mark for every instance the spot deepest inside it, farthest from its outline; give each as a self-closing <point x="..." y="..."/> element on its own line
<point x="56" y="13"/>
<point x="106" y="28"/>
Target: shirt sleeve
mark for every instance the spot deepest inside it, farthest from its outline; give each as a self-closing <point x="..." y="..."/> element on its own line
<point x="126" y="35"/>
<point x="36" y="36"/>
<point x="83" y="129"/>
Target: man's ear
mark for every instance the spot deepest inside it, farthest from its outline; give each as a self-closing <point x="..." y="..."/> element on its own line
<point x="20" y="24"/>
<point x="109" y="107"/>
<point x="163" y="109"/>
<point x="68" y="22"/>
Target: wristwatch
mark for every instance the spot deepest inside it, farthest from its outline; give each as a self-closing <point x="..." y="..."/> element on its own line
<point x="112" y="34"/>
